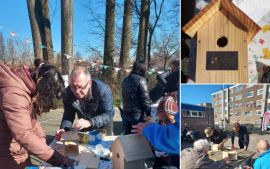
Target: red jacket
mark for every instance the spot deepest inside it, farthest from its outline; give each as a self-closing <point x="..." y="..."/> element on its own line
<point x="19" y="132"/>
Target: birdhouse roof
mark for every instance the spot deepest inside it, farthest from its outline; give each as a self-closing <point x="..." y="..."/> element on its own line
<point x="211" y="9"/>
<point x="135" y="147"/>
<point x="69" y="136"/>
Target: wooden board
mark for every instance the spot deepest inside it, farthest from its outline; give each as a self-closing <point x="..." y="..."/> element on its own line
<point x="222" y="24"/>
<point x="89" y="162"/>
<point x="211" y="9"/>
<point x="78" y="157"/>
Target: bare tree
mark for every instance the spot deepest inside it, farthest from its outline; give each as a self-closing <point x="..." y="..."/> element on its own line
<point x="167" y="47"/>
<point x="126" y="34"/>
<point x="48" y="51"/>
<point x="109" y="33"/>
<point x="11" y="52"/>
<point x="78" y="55"/>
<point x="2" y="48"/>
<point x="143" y="30"/>
<point x="67" y="35"/>
<point x="152" y="29"/>
<point x="35" y="16"/>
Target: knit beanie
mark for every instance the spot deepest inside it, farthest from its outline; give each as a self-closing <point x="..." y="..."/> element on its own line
<point x="168" y="105"/>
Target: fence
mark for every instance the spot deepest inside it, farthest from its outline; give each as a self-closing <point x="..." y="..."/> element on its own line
<point x="251" y="128"/>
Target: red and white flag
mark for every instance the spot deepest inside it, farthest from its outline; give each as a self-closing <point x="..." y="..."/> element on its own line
<point x="265" y="120"/>
<point x="27" y="40"/>
<point x="13" y="34"/>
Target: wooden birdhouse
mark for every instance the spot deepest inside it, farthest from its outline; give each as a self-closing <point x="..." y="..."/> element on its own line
<point x="232" y="155"/>
<point x="223" y="33"/>
<point x="215" y="147"/>
<point x="130" y="152"/>
<point x="70" y="143"/>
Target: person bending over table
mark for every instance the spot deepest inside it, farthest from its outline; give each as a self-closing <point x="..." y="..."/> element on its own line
<point x="242" y="133"/>
<point x="216" y="136"/>
<point x="92" y="101"/>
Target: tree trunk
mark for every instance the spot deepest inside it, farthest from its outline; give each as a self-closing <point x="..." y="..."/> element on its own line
<point x="67" y="35"/>
<point x="126" y="34"/>
<point x="143" y="30"/>
<point x="109" y="33"/>
<point x="35" y="17"/>
<point x="48" y="52"/>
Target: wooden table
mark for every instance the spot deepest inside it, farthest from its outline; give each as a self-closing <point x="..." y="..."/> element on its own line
<point x="233" y="164"/>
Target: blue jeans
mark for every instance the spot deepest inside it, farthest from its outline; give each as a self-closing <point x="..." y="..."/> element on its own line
<point x="130" y="123"/>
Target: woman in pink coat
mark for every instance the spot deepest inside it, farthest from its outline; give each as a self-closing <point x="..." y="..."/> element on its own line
<point x="24" y="96"/>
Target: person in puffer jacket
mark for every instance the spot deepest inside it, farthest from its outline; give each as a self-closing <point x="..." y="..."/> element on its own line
<point x="197" y="157"/>
<point x="136" y="99"/>
<point x="24" y="95"/>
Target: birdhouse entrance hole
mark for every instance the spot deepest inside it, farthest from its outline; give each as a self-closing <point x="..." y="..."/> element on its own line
<point x="222" y="41"/>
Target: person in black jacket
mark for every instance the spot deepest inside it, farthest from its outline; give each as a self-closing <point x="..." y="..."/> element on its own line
<point x="92" y="101"/>
<point x="217" y="136"/>
<point x="173" y="79"/>
<point x="135" y="96"/>
<point x="242" y="133"/>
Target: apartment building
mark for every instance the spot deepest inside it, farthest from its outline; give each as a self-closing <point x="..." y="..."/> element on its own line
<point x="239" y="103"/>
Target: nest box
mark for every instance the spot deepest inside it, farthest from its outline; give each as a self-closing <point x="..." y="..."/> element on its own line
<point x="70" y="143"/>
<point x="130" y="152"/>
<point x="215" y="147"/>
<point x="223" y="33"/>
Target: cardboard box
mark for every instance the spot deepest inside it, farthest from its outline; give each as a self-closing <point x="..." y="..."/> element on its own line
<point x="95" y="137"/>
<point x="83" y="137"/>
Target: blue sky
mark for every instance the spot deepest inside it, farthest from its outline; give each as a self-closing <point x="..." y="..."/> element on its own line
<point x="195" y="94"/>
<point x="14" y="17"/>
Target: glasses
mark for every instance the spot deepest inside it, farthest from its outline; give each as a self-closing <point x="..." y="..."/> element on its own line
<point x="79" y="88"/>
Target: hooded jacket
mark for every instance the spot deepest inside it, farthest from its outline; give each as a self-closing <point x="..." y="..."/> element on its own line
<point x="195" y="159"/>
<point x="20" y="132"/>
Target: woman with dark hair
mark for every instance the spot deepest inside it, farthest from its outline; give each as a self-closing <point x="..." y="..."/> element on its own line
<point x="24" y="95"/>
<point x="135" y="96"/>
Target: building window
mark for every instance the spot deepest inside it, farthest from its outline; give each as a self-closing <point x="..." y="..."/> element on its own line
<point x="238" y="121"/>
<point x="238" y="88"/>
<point x="216" y="122"/>
<point x="230" y="91"/>
<point x="214" y="96"/>
<point x="259" y="102"/>
<point x="237" y="107"/>
<point x="220" y="102"/>
<point x="231" y="114"/>
<point x="215" y="103"/>
<point x="220" y="116"/>
<point x="238" y="97"/>
<point x="249" y="85"/>
<point x="216" y="116"/>
<point x="256" y="121"/>
<point x="220" y="109"/>
<point x="220" y="94"/>
<point x="259" y="92"/>
<point x="190" y="113"/>
<point x="258" y="112"/>
<point x="231" y="122"/>
<point x="215" y="110"/>
<point x="248" y="113"/>
<point x="231" y="99"/>
<point x="249" y="94"/>
<point x="238" y="114"/>
<point x="248" y="121"/>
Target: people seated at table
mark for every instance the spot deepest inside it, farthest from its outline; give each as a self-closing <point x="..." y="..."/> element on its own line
<point x="262" y="162"/>
<point x="162" y="138"/>
<point x="243" y="136"/>
<point x="25" y="95"/>
<point x="91" y="99"/>
<point x="197" y="157"/>
<point x="216" y="136"/>
<point x="166" y="111"/>
<point x="168" y="82"/>
<point x="136" y="100"/>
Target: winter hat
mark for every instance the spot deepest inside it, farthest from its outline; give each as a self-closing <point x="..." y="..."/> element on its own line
<point x="168" y="105"/>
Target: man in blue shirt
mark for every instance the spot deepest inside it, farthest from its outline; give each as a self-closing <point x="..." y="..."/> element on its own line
<point x="241" y="132"/>
<point x="262" y="162"/>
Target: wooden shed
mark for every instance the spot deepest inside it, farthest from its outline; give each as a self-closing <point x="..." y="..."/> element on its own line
<point x="223" y="33"/>
<point x="130" y="152"/>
